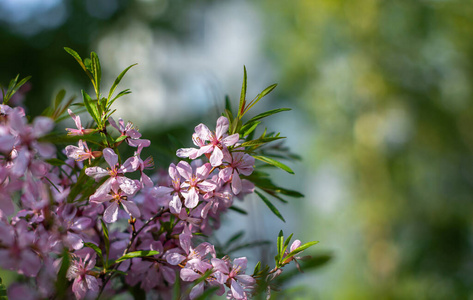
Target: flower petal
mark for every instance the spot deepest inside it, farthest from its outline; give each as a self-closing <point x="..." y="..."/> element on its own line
<point x="111" y="213"/>
<point x="222" y="127"/>
<point x="110" y="157"/>
<point x="131" y="208"/>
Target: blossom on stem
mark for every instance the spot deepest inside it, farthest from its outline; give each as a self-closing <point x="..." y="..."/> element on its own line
<point x="82" y="152"/>
<point x="115" y="172"/>
<point x="195" y="182"/>
<point x="215" y="143"/>
<point x="116" y="197"/>
<point x="132" y="135"/>
<point x="234" y="277"/>
<point x="81" y="272"/>
<point x="238" y="163"/>
<point x="80" y="130"/>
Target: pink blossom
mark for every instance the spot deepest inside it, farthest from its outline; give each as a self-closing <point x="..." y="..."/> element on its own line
<point x="238" y="163"/>
<point x="81" y="272"/>
<point x="80" y="153"/>
<point x="80" y="130"/>
<point x="240" y="284"/>
<point x="132" y="135"/>
<point x="195" y="182"/>
<point x="215" y="143"/>
<point x="171" y="194"/>
<point x="116" y="197"/>
<point x="115" y="172"/>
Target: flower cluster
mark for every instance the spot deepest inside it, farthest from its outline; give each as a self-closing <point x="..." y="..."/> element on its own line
<point x="73" y="220"/>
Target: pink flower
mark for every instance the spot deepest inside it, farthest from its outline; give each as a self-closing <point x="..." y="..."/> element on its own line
<point x="115" y="172"/>
<point x="80" y="130"/>
<point x="235" y="277"/>
<point x="80" y="153"/>
<point x="218" y="142"/>
<point x="194" y="182"/>
<point x="132" y="135"/>
<point x="171" y="194"/>
<point x="81" y="272"/>
<point x="116" y="197"/>
<point x="239" y="163"/>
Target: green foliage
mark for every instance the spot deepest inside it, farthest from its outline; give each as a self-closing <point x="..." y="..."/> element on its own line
<point x="141" y="253"/>
<point x="62" y="282"/>
<point x="3" y="291"/>
<point x="106" y="241"/>
<point x="13" y="87"/>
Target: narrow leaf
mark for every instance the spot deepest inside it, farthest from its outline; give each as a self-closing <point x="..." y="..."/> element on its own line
<point x="19" y="85"/>
<point x="121" y="94"/>
<point x="267" y="114"/>
<point x="274" y="163"/>
<point x="78" y="59"/>
<point x="260" y="96"/>
<point x="59" y="97"/>
<point x="141" y="253"/>
<point x="228" y="104"/>
<point x="97" y="70"/>
<point x="261" y="141"/>
<point x="234" y="238"/>
<point x="249" y="128"/>
<point x="91" y="108"/>
<point x="270" y="206"/>
<point x="96" y="249"/>
<point x="241" y="107"/>
<point x="3" y="291"/>
<point x="106" y="239"/>
<point x="61" y="281"/>
<point x="117" y="81"/>
<point x="238" y="210"/>
<point x="302" y="248"/>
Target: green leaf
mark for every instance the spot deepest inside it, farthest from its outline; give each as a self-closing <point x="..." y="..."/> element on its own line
<point x="120" y="138"/>
<point x="288" y="240"/>
<point x="274" y="163"/>
<point x="55" y="162"/>
<point x="314" y="262"/>
<point x="280" y="243"/>
<point x="121" y="94"/>
<point x="248" y="245"/>
<point x="261" y="141"/>
<point x="267" y="114"/>
<point x="107" y="240"/>
<point x="97" y="71"/>
<point x="238" y="210"/>
<point x="59" y="97"/>
<point x="301" y="248"/>
<point x="79" y="60"/>
<point x="241" y="106"/>
<point x="257" y="268"/>
<point x="270" y="206"/>
<point x="141" y="253"/>
<point x="249" y="128"/>
<point x="92" y="108"/>
<point x="260" y="96"/>
<point x="117" y="81"/>
<point x="228" y="104"/>
<point x="177" y="288"/>
<point x="207" y="293"/>
<point x="19" y="85"/>
<point x="61" y="281"/>
<point x="3" y="291"/>
<point x="234" y="238"/>
<point x="96" y="249"/>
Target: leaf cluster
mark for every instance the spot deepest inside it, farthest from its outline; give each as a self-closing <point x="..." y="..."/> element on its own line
<point x="13" y="87"/>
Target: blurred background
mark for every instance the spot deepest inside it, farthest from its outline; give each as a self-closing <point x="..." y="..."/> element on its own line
<point x="382" y="117"/>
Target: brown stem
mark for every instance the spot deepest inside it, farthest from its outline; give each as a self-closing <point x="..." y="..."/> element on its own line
<point x="127" y="249"/>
